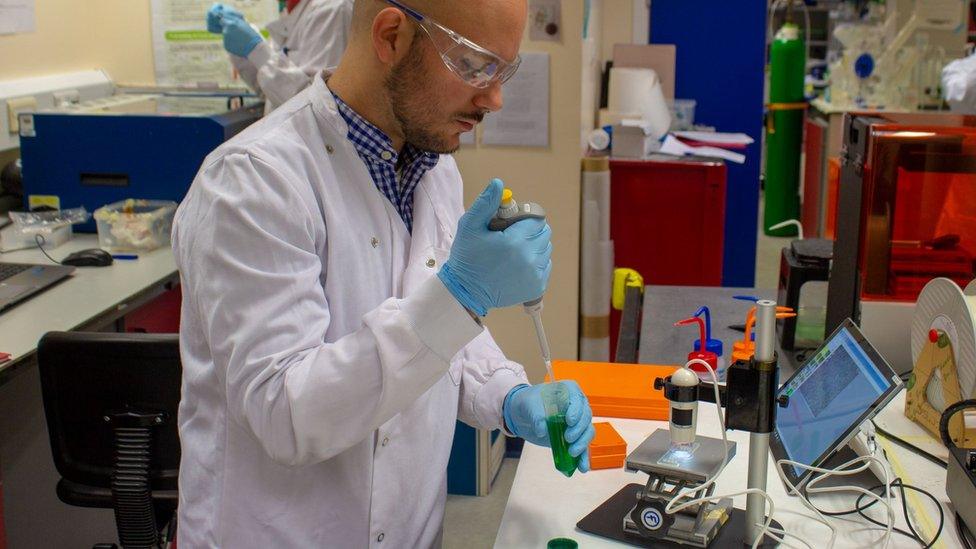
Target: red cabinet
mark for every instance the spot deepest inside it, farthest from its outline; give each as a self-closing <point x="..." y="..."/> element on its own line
<point x="159" y="316"/>
<point x="667" y="221"/>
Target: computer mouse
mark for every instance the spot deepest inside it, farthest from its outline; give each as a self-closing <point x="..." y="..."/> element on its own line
<point x="92" y="257"/>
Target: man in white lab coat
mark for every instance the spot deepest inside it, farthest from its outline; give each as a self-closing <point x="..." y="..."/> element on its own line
<point x="333" y="291"/>
<point x="308" y="37"/>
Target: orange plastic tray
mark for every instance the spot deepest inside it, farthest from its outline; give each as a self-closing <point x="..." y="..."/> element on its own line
<point x="618" y="390"/>
<point x="608" y="450"/>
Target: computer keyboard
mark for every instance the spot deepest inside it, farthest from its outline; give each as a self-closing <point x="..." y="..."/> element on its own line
<point x="8" y="270"/>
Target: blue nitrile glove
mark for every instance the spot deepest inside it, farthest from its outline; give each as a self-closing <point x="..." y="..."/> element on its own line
<point x="525" y="417"/>
<point x="217" y="14"/>
<point x="490" y="269"/>
<point x="239" y="36"/>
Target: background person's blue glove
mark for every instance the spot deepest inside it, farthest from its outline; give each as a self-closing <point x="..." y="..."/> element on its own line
<point x="217" y="14"/>
<point x="525" y="417"/>
<point x="491" y="269"/>
<point x="239" y="36"/>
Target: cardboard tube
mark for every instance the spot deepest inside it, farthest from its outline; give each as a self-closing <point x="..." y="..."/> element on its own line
<point x="596" y="187"/>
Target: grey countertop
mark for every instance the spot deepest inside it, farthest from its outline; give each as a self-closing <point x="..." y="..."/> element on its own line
<point x="663" y="343"/>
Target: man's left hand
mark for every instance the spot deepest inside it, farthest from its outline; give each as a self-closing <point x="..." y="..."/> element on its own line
<point x="525" y="417"/>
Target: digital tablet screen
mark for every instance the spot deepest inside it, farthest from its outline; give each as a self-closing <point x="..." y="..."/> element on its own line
<point x="837" y="389"/>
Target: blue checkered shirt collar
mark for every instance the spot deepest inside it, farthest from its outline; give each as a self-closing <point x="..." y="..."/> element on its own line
<point x="396" y="179"/>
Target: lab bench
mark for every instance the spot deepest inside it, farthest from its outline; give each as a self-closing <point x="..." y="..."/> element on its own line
<point x="93" y="299"/>
<point x="662" y="343"/>
<point x="544" y="504"/>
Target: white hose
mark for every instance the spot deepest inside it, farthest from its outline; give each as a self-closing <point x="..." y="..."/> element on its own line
<point x="842" y="470"/>
<point x="671" y="508"/>
<point x="775" y="533"/>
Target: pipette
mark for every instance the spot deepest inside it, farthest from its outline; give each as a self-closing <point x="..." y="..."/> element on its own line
<point x="509" y="212"/>
<point x="534" y="309"/>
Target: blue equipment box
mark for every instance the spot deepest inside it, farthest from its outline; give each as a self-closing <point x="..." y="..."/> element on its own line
<point x="125" y="146"/>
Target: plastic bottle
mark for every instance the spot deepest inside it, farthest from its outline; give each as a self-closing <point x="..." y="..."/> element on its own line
<point x="713" y="345"/>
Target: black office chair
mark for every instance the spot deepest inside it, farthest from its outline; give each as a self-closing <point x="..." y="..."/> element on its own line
<point x="111" y="401"/>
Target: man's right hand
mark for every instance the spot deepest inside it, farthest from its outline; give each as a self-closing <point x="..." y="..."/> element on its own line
<point x="491" y="269"/>
<point x="217" y="14"/>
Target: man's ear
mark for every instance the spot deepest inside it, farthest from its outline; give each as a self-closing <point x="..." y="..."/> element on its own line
<point x="392" y="35"/>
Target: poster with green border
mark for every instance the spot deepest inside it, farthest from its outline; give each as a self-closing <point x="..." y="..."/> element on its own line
<point x="185" y="53"/>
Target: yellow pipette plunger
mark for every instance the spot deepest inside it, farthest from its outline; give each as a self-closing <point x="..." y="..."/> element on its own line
<point x="509" y="212"/>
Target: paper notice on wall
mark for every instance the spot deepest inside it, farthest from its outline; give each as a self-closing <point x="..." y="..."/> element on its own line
<point x="524" y="118"/>
<point x="185" y="53"/>
<point x="16" y="16"/>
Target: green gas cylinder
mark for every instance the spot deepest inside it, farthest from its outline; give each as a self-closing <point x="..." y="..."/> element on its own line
<point x="784" y="129"/>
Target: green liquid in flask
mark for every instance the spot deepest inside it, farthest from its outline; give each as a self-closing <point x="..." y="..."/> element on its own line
<point x="565" y="462"/>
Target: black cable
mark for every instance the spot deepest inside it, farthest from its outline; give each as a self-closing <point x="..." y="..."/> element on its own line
<point x="950" y="411"/>
<point x="40" y="246"/>
<point x="904" y="506"/>
<point x="964" y="533"/>
<point x="897" y="483"/>
<point x="905" y="444"/>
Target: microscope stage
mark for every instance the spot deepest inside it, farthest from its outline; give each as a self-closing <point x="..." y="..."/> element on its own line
<point x="655" y="456"/>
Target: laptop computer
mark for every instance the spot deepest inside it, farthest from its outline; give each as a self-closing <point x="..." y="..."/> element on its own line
<point x="19" y="281"/>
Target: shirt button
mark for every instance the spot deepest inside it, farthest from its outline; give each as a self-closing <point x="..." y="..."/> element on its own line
<point x="386" y="155"/>
<point x="374" y="241"/>
<point x="380" y="537"/>
<point x="431" y="263"/>
<point x="386" y="440"/>
<point x="329" y="149"/>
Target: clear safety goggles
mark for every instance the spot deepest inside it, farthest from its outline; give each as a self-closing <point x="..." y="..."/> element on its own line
<point x="476" y="65"/>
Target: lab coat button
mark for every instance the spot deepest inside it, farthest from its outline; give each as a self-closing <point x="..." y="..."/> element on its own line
<point x="329" y="149"/>
<point x="386" y="440"/>
<point x="374" y="241"/>
<point x="431" y="263"/>
<point x="386" y="155"/>
<point x="380" y="537"/>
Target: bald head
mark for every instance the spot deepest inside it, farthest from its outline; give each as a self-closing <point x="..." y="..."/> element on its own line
<point x="496" y="25"/>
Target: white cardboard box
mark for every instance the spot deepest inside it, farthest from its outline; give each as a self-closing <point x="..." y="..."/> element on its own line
<point x="633" y="139"/>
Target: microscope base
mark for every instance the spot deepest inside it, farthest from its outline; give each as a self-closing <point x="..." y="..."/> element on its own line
<point x="692" y="530"/>
<point x="607" y="521"/>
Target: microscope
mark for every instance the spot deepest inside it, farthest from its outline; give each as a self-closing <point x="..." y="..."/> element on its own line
<point x="677" y="460"/>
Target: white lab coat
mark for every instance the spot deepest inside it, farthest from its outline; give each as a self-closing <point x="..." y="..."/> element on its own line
<point x="303" y="43"/>
<point x="959" y="85"/>
<point x="324" y="363"/>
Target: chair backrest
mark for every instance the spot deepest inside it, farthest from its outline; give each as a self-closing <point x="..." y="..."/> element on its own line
<point x="85" y="376"/>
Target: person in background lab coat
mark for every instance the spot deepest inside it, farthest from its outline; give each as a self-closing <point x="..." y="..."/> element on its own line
<point x="959" y="85"/>
<point x="308" y="37"/>
<point x="333" y="294"/>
